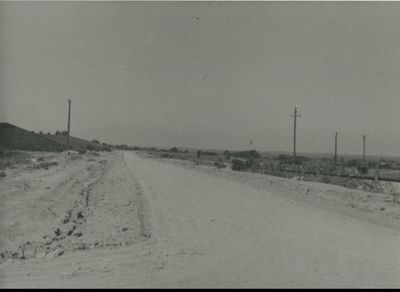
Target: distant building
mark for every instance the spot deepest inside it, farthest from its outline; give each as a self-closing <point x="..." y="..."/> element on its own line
<point x="13" y="137"/>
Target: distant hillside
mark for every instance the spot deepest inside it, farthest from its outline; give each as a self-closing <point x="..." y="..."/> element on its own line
<point x="14" y="137"/>
<point x="76" y="143"/>
<point x="62" y="139"/>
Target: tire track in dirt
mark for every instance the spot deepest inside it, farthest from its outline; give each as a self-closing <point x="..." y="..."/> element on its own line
<point x="107" y="213"/>
<point x="144" y="209"/>
<point x="51" y="245"/>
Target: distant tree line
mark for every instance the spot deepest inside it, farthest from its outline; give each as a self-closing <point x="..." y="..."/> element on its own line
<point x="127" y="147"/>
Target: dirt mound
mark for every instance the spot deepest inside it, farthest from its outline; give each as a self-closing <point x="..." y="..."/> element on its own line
<point x="84" y="206"/>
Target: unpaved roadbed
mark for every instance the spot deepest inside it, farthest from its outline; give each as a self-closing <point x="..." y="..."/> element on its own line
<point x="201" y="229"/>
<point x="377" y="208"/>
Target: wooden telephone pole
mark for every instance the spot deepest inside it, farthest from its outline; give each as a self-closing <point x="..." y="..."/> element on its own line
<point x="364" y="147"/>
<point x="335" y="157"/>
<point x="69" y="121"/>
<point x="295" y="116"/>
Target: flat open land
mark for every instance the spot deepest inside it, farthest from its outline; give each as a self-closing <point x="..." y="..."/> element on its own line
<point x="123" y="219"/>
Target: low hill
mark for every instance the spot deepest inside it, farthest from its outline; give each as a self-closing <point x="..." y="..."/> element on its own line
<point x="16" y="138"/>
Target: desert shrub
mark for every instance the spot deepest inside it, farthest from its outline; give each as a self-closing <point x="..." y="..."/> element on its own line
<point x="14" y="157"/>
<point x="227" y="154"/>
<point x="284" y="157"/>
<point x="362" y="168"/>
<point x="325" y="179"/>
<point x="165" y="155"/>
<point x="106" y="149"/>
<point x="2" y="174"/>
<point x="219" y="164"/>
<point x="90" y="147"/>
<point x="75" y="156"/>
<point x="122" y="147"/>
<point x="396" y="197"/>
<point x="302" y="159"/>
<point x="174" y="150"/>
<point x="82" y="150"/>
<point x="210" y="153"/>
<point x="238" y="165"/>
<point x="353" y="162"/>
<point x="199" y="154"/>
<point x="44" y="165"/>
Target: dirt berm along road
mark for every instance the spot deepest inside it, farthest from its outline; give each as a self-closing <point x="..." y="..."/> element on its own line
<point x="204" y="231"/>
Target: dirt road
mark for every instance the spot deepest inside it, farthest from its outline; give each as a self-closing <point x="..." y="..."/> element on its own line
<point x="205" y="231"/>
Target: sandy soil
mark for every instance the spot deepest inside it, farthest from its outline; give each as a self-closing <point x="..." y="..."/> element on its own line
<point x="79" y="204"/>
<point x="156" y="223"/>
<point x="374" y="207"/>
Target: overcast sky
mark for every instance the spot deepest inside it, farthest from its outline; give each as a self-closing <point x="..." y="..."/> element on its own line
<point x="206" y="74"/>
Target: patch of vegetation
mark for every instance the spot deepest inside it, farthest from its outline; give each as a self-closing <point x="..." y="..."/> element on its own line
<point x="82" y="150"/>
<point x="325" y="179"/>
<point x="227" y="154"/>
<point x="240" y="165"/>
<point x="219" y="164"/>
<point x="44" y="165"/>
<point x="174" y="150"/>
<point x="362" y="168"/>
<point x="8" y="158"/>
<point x="75" y="156"/>
<point x="246" y="154"/>
<point x="210" y="153"/>
<point x="126" y="147"/>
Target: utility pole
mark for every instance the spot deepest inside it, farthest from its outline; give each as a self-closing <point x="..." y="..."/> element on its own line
<point x="295" y="116"/>
<point x="364" y="147"/>
<point x="335" y="157"/>
<point x="69" y="121"/>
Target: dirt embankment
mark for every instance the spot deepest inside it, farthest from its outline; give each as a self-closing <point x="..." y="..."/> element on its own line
<point x="74" y="202"/>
